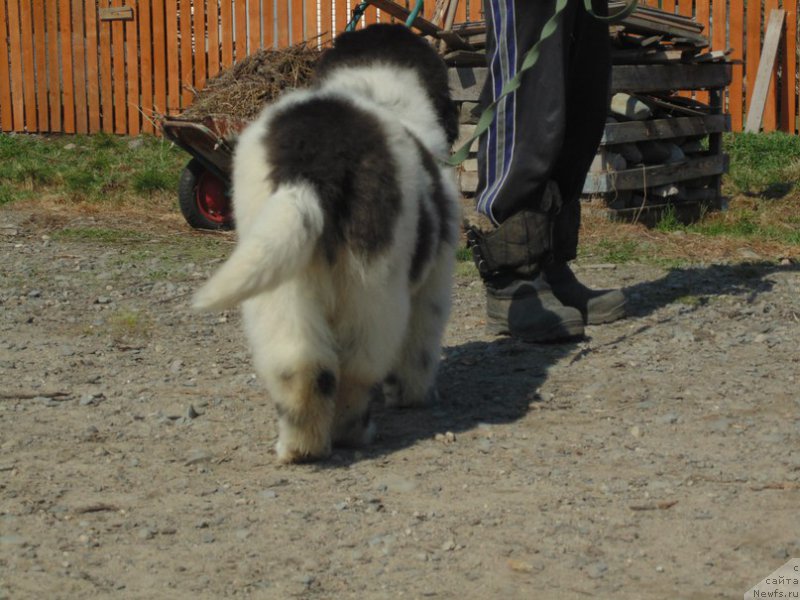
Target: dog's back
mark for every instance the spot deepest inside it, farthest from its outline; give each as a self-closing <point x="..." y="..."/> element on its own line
<point x="346" y="225"/>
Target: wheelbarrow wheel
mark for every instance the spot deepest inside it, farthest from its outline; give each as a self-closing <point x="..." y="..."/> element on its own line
<point x="203" y="198"/>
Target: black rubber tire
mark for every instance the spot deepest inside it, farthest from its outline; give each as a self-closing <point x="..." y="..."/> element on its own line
<point x="187" y="199"/>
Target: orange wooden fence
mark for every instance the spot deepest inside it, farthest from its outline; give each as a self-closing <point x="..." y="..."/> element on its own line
<point x="65" y="67"/>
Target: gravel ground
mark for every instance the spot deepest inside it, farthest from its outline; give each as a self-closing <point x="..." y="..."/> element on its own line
<point x="659" y="457"/>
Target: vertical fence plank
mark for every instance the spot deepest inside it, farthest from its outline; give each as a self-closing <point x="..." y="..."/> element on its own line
<point x="92" y="66"/>
<point x="226" y="34"/>
<point x="475" y="13"/>
<point x="68" y="97"/>
<point x="6" y="112"/>
<point x="40" y="44"/>
<point x="186" y="62"/>
<point x="15" y="52"/>
<point x="118" y="72"/>
<point x="132" y="76"/>
<point x="268" y="23"/>
<point x="310" y="16"/>
<point x="297" y="22"/>
<point x="703" y="16"/>
<point x="326" y="21"/>
<point x="106" y="74"/>
<point x="240" y="39"/>
<point x="283" y="22"/>
<point x="341" y="17"/>
<point x="212" y="16"/>
<point x="157" y="12"/>
<point x="200" y="37"/>
<point x="53" y="72"/>
<point x="28" y="65"/>
<point x="685" y="8"/>
<point x="789" y="68"/>
<point x="79" y="67"/>
<point x="173" y="60"/>
<point x="669" y="6"/>
<point x="770" y="120"/>
<point x="146" y="65"/>
<point x="736" y="43"/>
<point x="254" y="26"/>
<point x="753" y="49"/>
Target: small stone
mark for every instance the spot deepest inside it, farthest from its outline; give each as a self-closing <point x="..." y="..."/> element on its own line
<point x="659" y="569"/>
<point x="268" y="494"/>
<point x="635" y="431"/>
<point x="191" y="413"/>
<point x="596" y="570"/>
<point x="103" y="300"/>
<point x="208" y="538"/>
<point x="668" y="419"/>
<point x="198" y="456"/>
<point x="780" y="554"/>
<point x="145" y="533"/>
<point x="35" y="294"/>
<point x="449" y="545"/>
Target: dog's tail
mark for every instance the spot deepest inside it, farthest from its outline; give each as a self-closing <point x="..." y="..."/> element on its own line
<point x="279" y="242"/>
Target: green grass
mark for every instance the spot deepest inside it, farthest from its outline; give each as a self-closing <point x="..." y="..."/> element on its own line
<point x="765" y="164"/>
<point x="618" y="251"/>
<point x="99" y="234"/>
<point x="97" y="168"/>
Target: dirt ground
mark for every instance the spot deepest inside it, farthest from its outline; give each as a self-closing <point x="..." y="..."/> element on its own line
<point x="659" y="457"/>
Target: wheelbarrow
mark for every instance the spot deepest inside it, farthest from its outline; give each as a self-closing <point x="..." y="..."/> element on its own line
<point x="204" y="188"/>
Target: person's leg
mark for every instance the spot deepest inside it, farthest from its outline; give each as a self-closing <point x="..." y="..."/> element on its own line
<point x="587" y="97"/>
<point x="515" y="161"/>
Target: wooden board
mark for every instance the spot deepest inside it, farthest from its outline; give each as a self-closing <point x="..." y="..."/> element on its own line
<point x="240" y="43"/>
<point x="159" y="58"/>
<point x="146" y="70"/>
<point x="659" y="129"/>
<point x="226" y="33"/>
<point x="28" y="66"/>
<point x="106" y="80"/>
<point x="212" y="15"/>
<point x="67" y="98"/>
<point x="6" y="112"/>
<point x="642" y="177"/>
<point x="92" y="65"/>
<point x="39" y="41"/>
<point x="118" y="54"/>
<point x="173" y="58"/>
<point x="200" y="41"/>
<point x="132" y="59"/>
<point x="789" y="95"/>
<point x="186" y="54"/>
<point x="765" y="69"/>
<point x="466" y="82"/>
<point x="54" y="77"/>
<point x="736" y="88"/>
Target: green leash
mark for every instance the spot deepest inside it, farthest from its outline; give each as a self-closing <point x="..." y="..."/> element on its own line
<point x="530" y="59"/>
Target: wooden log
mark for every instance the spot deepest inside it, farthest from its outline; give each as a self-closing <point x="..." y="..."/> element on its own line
<point x="466" y="82"/>
<point x="642" y="177"/>
<point x="655" y="129"/>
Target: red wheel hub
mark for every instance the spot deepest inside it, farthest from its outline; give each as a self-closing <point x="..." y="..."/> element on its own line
<point x="212" y="201"/>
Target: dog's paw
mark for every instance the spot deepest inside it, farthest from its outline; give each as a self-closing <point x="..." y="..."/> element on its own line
<point x="294" y="455"/>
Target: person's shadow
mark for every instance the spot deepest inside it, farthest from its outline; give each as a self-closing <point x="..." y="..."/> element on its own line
<point x="498" y="381"/>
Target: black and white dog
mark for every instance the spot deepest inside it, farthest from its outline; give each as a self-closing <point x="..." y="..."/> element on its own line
<point x="347" y="225"/>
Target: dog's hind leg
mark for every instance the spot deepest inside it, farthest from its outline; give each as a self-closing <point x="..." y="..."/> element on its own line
<point x="294" y="354"/>
<point x="412" y="381"/>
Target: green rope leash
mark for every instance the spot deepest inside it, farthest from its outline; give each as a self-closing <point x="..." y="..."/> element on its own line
<point x="530" y="59"/>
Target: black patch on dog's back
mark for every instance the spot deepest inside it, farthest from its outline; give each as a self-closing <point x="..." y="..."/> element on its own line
<point x="397" y="45"/>
<point x="342" y="152"/>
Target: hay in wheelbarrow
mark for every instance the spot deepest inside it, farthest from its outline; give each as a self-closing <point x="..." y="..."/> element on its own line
<point x="242" y="90"/>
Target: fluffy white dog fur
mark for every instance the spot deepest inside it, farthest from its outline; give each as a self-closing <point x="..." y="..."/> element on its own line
<point x="346" y="225"/>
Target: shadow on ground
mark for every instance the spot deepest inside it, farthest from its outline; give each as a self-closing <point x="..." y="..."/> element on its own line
<point x="497" y="381"/>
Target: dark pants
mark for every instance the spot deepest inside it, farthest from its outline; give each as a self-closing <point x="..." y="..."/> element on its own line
<point x="549" y="129"/>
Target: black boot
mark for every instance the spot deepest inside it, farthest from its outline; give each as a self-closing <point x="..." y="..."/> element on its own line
<point x="596" y="306"/>
<point x="528" y="310"/>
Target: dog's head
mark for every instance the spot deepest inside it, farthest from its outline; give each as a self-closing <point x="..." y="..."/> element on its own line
<point x="398" y="45"/>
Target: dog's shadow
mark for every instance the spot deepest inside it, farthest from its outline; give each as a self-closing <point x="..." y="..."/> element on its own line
<point x="479" y="383"/>
<point x="498" y="381"/>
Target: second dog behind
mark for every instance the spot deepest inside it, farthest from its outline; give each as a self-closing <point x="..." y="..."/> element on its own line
<point x="347" y="227"/>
